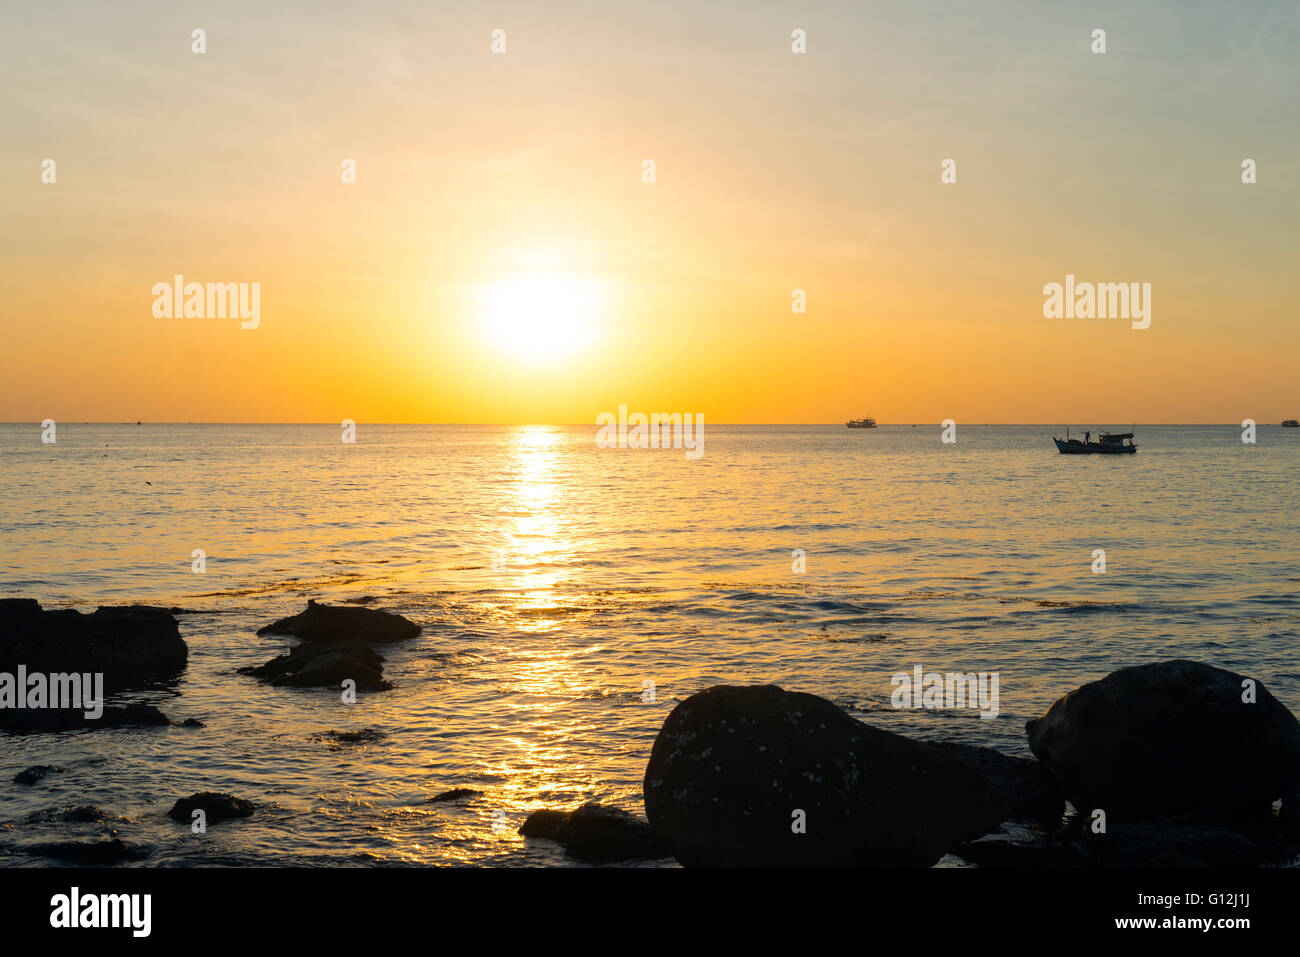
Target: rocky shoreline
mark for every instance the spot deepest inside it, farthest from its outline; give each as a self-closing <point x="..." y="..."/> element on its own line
<point x="1168" y="764"/>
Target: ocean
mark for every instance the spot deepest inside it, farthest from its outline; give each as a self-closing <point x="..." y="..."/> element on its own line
<point x="570" y="595"/>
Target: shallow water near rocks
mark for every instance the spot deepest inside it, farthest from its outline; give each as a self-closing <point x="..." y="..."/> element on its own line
<point x="553" y="579"/>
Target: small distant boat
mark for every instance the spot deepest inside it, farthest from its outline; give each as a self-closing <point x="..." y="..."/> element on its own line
<point x="1108" y="443"/>
<point x="1291" y="424"/>
<point x="864" y="423"/>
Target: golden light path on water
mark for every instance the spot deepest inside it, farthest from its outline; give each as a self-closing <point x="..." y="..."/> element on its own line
<point x="535" y="538"/>
<point x="533" y="726"/>
<point x="527" y="726"/>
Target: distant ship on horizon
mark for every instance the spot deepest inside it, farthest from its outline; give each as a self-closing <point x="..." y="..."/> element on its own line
<point x="866" y="422"/>
<point x="1290" y="424"/>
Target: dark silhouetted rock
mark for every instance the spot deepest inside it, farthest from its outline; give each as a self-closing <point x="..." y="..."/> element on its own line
<point x="47" y="720"/>
<point x="35" y="773"/>
<point x="731" y="766"/>
<point x="596" y="833"/>
<point x="89" y="853"/>
<point x="329" y="623"/>
<point x="1028" y="789"/>
<point x="192" y="723"/>
<point x="544" y="823"/>
<point x="1168" y="737"/>
<point x="325" y="665"/>
<point x="132" y="646"/>
<point x="1173" y="845"/>
<point x="145" y="714"/>
<point x="455" y="794"/>
<point x="1289" y="815"/>
<point x="1014" y="854"/>
<point x="214" y="805"/>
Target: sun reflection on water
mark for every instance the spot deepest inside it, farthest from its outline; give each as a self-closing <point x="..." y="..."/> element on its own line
<point x="529" y="748"/>
<point x="535" y="542"/>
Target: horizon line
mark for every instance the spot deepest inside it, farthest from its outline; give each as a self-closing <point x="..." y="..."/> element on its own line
<point x="335" y="424"/>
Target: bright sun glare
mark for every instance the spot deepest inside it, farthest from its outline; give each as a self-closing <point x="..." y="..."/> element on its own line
<point x="541" y="316"/>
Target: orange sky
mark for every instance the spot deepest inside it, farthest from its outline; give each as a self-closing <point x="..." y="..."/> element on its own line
<point x="481" y="172"/>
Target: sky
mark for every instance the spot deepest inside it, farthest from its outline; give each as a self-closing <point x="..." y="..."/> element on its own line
<point x="501" y="258"/>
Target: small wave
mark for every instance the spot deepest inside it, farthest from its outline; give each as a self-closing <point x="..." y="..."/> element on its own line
<point x="945" y="596"/>
<point x="1081" y="605"/>
<point x="852" y="639"/>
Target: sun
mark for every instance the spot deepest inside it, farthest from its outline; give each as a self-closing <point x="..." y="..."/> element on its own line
<point x="541" y="315"/>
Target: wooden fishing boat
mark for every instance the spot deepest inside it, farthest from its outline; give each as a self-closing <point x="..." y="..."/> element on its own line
<point x="1108" y="443"/>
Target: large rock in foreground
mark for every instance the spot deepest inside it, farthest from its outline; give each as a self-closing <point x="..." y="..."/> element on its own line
<point x="732" y="766"/>
<point x="1168" y="737"/>
<point x="326" y="623"/>
<point x="132" y="645"/>
<point x="1174" y="845"/>
<point x="1029" y="790"/>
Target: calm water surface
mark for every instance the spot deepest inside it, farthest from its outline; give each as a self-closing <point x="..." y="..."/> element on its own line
<point x="553" y="579"/>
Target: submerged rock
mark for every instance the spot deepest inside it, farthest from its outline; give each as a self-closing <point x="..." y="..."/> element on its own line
<point x="455" y="794"/>
<point x="89" y="853"/>
<point x="1026" y="786"/>
<point x="34" y="721"/>
<point x="330" y="623"/>
<point x="760" y="776"/>
<point x="362" y="736"/>
<point x="35" y="773"/>
<point x="325" y="666"/>
<point x="132" y="646"/>
<point x="80" y="814"/>
<point x="1168" y="737"/>
<point x="596" y="833"/>
<point x="214" y="805"/>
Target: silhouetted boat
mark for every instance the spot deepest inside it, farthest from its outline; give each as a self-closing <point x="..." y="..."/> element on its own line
<point x="1108" y="443"/>
<point x="1290" y="424"/>
<point x="865" y="423"/>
